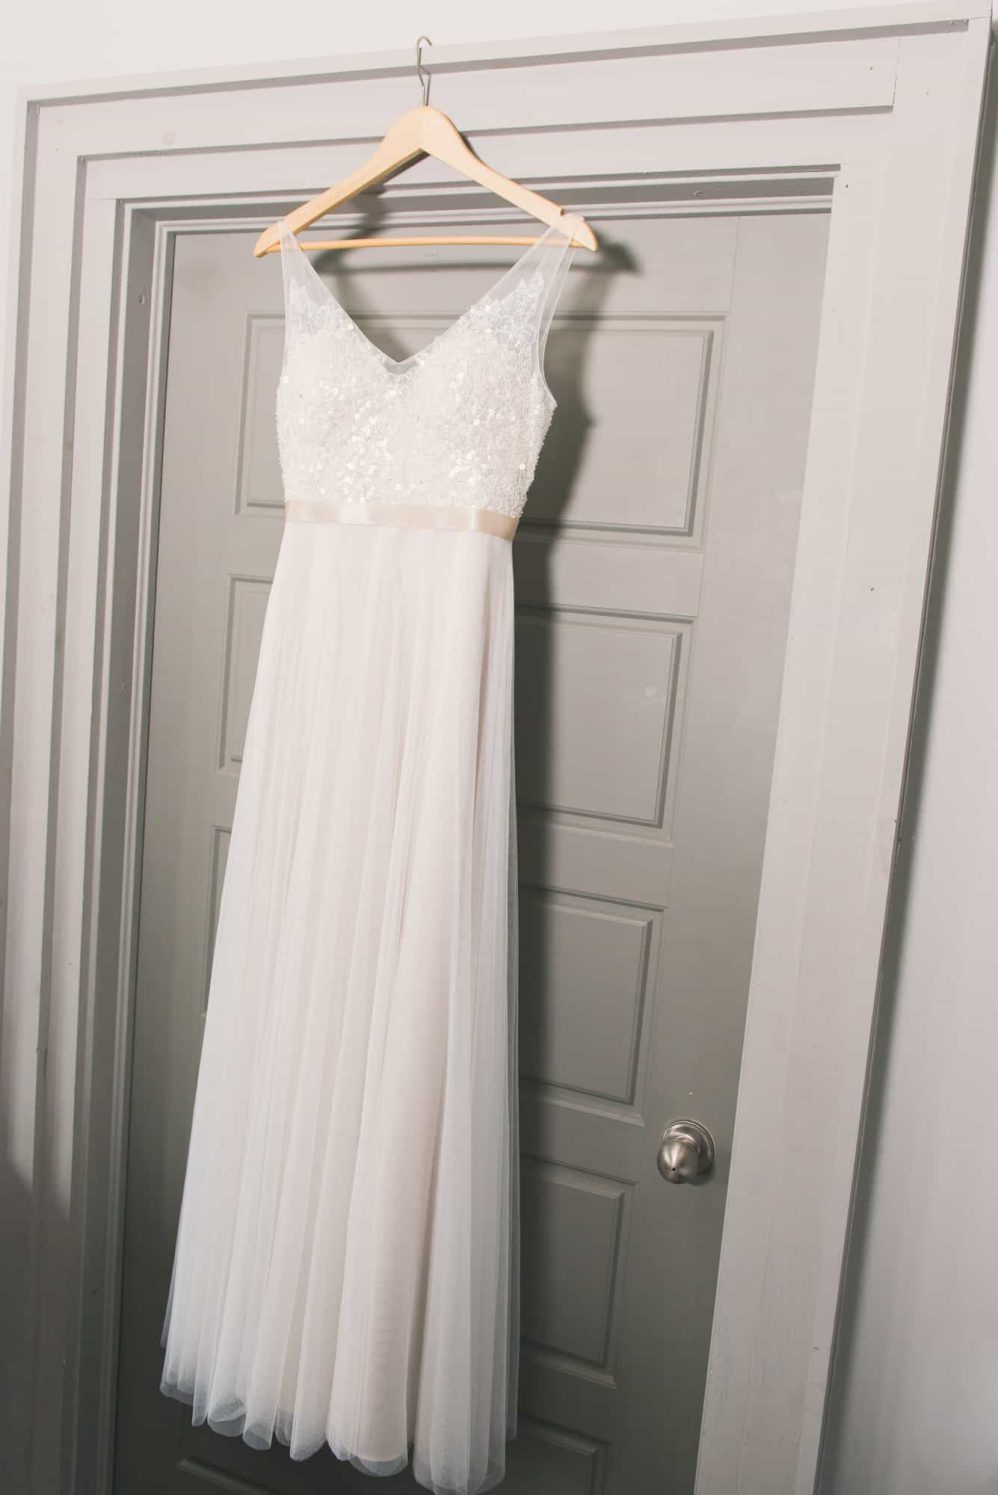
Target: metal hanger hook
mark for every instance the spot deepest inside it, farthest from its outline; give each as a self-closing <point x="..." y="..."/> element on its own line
<point x="421" y="74"/>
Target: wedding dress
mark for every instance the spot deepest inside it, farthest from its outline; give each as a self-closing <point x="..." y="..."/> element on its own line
<point x="346" y="1267"/>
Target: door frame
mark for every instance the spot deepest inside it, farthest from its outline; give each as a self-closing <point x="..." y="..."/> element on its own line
<point x="880" y="108"/>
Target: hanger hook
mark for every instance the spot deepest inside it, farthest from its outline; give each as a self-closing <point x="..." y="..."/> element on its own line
<point x="421" y="73"/>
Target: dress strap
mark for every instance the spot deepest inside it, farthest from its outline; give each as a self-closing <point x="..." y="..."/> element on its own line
<point x="559" y="262"/>
<point x="548" y="259"/>
<point x="305" y="295"/>
<point x="295" y="263"/>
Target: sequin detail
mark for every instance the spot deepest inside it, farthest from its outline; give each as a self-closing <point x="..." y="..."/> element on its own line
<point x="460" y="422"/>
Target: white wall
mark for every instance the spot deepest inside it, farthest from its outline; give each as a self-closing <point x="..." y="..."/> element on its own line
<point x="915" y="1407"/>
<point x="916" y="1394"/>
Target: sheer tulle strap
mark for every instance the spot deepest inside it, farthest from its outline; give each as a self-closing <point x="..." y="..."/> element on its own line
<point x="304" y="293"/>
<point x="548" y="257"/>
<point x="295" y="264"/>
<point x="559" y="261"/>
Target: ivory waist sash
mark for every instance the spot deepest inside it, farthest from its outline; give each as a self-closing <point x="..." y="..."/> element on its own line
<point x="401" y="516"/>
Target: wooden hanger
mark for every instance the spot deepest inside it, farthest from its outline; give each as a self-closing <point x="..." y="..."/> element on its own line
<point x="425" y="131"/>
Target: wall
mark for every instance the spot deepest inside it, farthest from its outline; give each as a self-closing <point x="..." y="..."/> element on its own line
<point x="916" y="1383"/>
<point x="915" y="1404"/>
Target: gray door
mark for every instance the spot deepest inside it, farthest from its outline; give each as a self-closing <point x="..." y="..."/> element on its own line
<point x="653" y="568"/>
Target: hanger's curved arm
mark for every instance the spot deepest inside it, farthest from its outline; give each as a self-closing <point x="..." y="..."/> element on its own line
<point x="427" y="131"/>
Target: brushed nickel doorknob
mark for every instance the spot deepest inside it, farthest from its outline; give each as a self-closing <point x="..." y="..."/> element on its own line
<point x="686" y="1152"/>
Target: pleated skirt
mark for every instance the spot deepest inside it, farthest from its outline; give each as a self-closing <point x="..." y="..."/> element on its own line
<point x="346" y="1267"/>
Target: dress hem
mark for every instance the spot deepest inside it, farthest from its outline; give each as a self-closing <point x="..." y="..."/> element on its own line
<point x="378" y="1469"/>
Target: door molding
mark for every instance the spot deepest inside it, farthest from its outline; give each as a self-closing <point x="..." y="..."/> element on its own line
<point x="880" y="108"/>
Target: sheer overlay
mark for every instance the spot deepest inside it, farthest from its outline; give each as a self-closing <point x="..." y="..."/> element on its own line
<point x="347" y="1264"/>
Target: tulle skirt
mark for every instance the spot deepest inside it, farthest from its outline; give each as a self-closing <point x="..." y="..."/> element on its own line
<point x="347" y="1263"/>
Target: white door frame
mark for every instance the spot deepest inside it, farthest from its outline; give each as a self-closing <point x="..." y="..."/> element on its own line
<point x="880" y="106"/>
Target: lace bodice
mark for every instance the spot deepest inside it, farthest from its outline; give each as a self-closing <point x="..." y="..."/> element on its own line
<point x="460" y="422"/>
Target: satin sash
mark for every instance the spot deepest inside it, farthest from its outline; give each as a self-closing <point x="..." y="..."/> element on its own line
<point x="402" y="516"/>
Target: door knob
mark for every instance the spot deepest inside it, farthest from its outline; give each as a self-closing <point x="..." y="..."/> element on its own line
<point x="686" y="1152"/>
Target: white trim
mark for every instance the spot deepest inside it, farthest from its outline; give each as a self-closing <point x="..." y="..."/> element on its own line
<point x="884" y="105"/>
<point x="706" y="36"/>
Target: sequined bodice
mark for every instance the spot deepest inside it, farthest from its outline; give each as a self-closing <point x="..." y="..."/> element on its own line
<point x="460" y="422"/>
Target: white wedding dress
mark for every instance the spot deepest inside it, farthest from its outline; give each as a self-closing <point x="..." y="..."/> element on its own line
<point x="347" y="1262"/>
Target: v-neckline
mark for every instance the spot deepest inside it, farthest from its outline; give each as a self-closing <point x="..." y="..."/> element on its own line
<point x="399" y="365"/>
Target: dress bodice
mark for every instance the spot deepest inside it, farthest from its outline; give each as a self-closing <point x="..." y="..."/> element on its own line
<point x="461" y="422"/>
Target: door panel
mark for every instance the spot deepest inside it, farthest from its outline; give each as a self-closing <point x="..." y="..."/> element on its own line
<point x="653" y="572"/>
